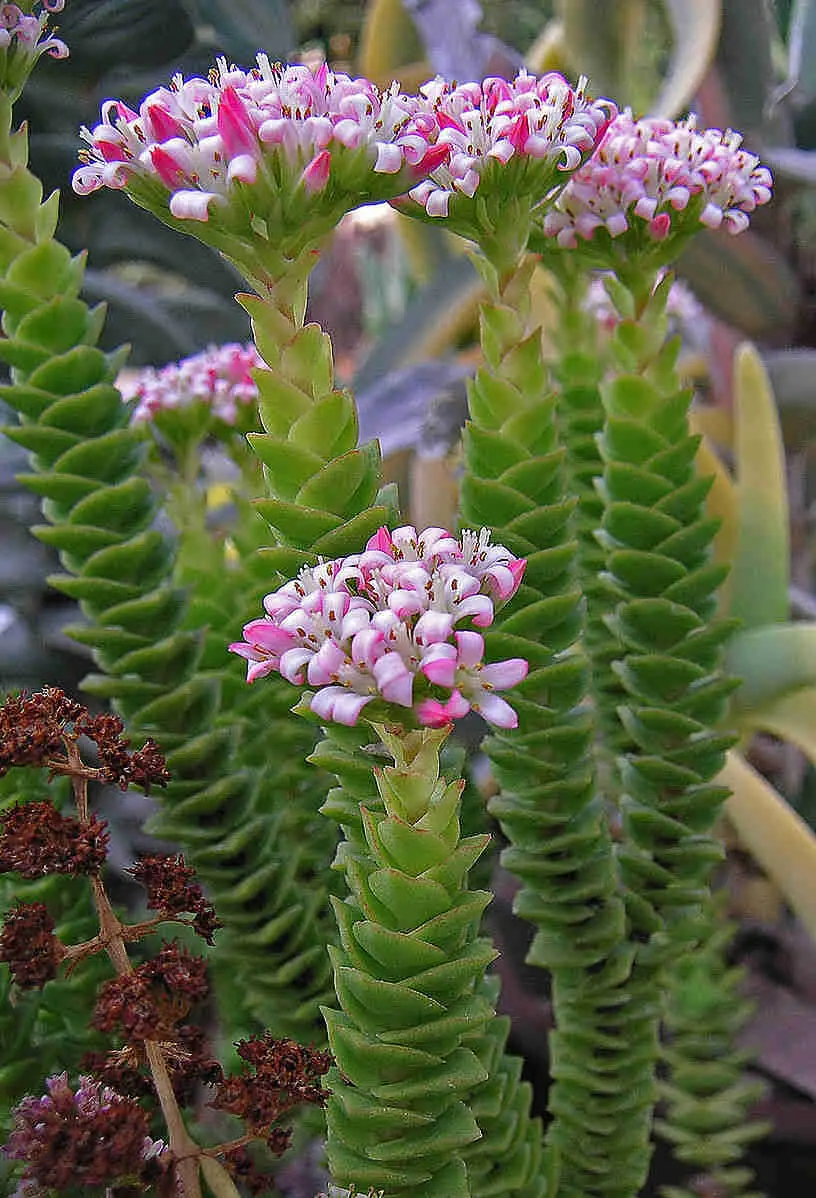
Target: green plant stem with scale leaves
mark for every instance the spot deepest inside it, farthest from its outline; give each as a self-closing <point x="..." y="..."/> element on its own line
<point x="505" y="1160"/>
<point x="155" y="662"/>
<point x="604" y="1047"/>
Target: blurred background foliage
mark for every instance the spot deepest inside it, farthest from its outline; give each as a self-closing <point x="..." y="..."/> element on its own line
<point x="401" y="302"/>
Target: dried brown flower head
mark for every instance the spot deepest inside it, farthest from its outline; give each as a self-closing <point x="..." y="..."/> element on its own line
<point x="286" y="1074"/>
<point x="148" y="1003"/>
<point x="91" y="1137"/>
<point x="172" y="891"/>
<point x="37" y="840"/>
<point x="29" y="947"/>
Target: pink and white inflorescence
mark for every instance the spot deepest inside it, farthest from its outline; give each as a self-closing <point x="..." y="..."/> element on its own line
<point x="219" y="378"/>
<point x="29" y="31"/>
<point x="541" y="122"/>
<point x="278" y="128"/>
<point x="387" y="624"/>
<point x="645" y="174"/>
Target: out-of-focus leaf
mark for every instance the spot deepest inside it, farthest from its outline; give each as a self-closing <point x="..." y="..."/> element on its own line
<point x="436" y="317"/>
<point x="245" y="26"/>
<point x="164" y="329"/>
<point x="390" y="46"/>
<point x="548" y="51"/>
<point x="798" y="165"/>
<point x="744" y="64"/>
<point x="760" y="573"/>
<point x="696" y="27"/>
<point x="715" y="423"/>
<point x="793" y="376"/>
<point x="136" y="32"/>
<point x="774" y="835"/>
<point x="421" y="407"/>
<point x="771" y="662"/>
<point x="802" y="52"/>
<point x="608" y="43"/>
<point x="453" y="43"/>
<point x="743" y="281"/>
<point x="791" y="717"/>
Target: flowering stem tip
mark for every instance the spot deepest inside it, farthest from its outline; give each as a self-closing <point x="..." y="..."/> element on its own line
<point x="389" y="626"/>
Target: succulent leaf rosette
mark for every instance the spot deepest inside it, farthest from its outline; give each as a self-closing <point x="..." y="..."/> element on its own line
<point x="384" y="626"/>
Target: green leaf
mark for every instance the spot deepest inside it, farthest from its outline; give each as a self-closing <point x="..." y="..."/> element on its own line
<point x="696" y="27"/>
<point x="760" y="573"/>
<point x="771" y="661"/>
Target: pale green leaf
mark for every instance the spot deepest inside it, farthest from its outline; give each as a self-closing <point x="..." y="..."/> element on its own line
<point x="770" y="662"/>
<point x="760" y="573"/>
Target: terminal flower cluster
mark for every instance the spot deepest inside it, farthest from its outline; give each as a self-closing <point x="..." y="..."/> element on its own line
<point x="29" y="31"/>
<point x="386" y="624"/>
<point x="285" y="131"/>
<point x="657" y="176"/>
<point x="542" y="124"/>
<point x="219" y="378"/>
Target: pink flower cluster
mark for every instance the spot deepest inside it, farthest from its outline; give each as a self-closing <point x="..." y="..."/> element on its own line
<point x="283" y="130"/>
<point x="383" y="625"/>
<point x="653" y="170"/>
<point x="220" y="378"/>
<point x="540" y="122"/>
<point x="26" y="30"/>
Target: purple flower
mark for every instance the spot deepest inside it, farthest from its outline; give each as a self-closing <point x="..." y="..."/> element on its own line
<point x="655" y="177"/>
<point x="383" y="625"/>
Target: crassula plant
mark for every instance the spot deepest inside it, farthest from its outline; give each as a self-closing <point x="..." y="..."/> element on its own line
<point x="575" y="613"/>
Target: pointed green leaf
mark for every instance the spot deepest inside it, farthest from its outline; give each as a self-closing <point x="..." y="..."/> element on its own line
<point x="761" y="572"/>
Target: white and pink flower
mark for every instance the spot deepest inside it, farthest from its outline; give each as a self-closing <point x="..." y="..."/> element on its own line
<point x="384" y="624"/>
<point x="540" y="127"/>
<point x="656" y="176"/>
<point x="274" y="144"/>
<point x="219" y="379"/>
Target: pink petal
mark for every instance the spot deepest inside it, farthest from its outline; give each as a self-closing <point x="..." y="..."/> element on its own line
<point x="496" y="711"/>
<point x="439" y="664"/>
<point x="434" y="714"/>
<point x="394" y="680"/>
<point x="292" y="663"/>
<point x="432" y="627"/>
<point x="316" y="174"/>
<point x="193" y="205"/>
<point x="367" y="647"/>
<point x="501" y="675"/>
<point x="325" y="664"/>
<point x="471" y="649"/>
<point x="382" y="541"/>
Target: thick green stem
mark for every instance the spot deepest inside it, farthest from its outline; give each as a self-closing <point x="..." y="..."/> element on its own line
<point x="407" y="973"/>
<point x="605" y="1043"/>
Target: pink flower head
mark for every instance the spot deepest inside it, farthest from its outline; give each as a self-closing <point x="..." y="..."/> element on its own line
<point x="275" y="146"/>
<point x="218" y="380"/>
<point x="651" y="178"/>
<point x="24" y="38"/>
<point x="387" y="625"/>
<point x="522" y="137"/>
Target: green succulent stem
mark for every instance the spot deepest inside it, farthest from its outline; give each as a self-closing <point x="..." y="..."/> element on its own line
<point x="517" y="480"/>
<point x="323" y="490"/>
<point x="407" y="971"/>
<point x="168" y="677"/>
<point x="707" y="1098"/>
<point x="657" y="540"/>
